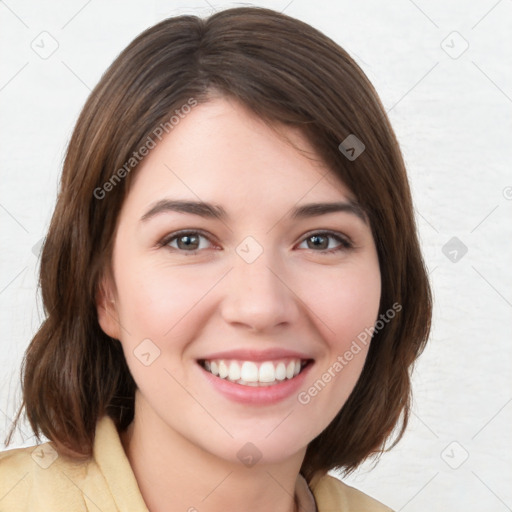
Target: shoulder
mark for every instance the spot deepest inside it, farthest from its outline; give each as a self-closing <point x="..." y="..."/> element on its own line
<point x="15" y="472"/>
<point x="36" y="478"/>
<point x="42" y="478"/>
<point x="333" y="494"/>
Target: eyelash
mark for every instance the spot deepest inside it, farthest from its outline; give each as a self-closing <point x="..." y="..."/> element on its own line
<point x="345" y="242"/>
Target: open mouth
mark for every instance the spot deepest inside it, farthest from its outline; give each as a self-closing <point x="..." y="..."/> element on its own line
<point x="252" y="373"/>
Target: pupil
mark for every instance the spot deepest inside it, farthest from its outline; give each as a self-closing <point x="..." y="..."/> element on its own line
<point x="188" y="240"/>
<point x="316" y="238"/>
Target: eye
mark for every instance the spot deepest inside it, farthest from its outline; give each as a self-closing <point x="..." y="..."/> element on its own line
<point x="191" y="241"/>
<point x="186" y="241"/>
<point x="320" y="240"/>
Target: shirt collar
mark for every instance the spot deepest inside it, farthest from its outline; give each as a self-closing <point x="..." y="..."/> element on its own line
<point x="304" y="499"/>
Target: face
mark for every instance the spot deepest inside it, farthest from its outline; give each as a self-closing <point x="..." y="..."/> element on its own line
<point x="254" y="287"/>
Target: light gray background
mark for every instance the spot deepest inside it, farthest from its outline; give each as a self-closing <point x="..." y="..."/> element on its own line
<point x="451" y="110"/>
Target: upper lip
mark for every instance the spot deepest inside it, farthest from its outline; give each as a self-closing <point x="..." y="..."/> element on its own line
<point x="257" y="355"/>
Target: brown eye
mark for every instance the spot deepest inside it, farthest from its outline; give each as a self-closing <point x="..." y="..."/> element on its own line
<point x="186" y="241"/>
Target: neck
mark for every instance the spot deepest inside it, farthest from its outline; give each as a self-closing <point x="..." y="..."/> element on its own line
<point x="175" y="474"/>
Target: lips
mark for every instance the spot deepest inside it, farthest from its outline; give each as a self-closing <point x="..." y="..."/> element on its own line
<point x="258" y="355"/>
<point x="255" y="373"/>
<point x="256" y="393"/>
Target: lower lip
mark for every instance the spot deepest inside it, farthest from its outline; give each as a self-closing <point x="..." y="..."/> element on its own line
<point x="257" y="395"/>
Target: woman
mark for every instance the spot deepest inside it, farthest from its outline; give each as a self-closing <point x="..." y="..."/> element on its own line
<point x="232" y="279"/>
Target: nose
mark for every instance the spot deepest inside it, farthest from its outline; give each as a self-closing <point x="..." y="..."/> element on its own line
<point x="258" y="296"/>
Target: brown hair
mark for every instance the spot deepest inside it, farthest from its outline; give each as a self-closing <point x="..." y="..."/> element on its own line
<point x="287" y="73"/>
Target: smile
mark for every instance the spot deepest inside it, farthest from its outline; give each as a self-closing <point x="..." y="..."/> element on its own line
<point x="252" y="373"/>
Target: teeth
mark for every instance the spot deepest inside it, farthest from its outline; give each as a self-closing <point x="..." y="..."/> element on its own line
<point x="223" y="370"/>
<point x="290" y="370"/>
<point x="281" y="371"/>
<point x="267" y="372"/>
<point x="234" y="371"/>
<point x="250" y="373"/>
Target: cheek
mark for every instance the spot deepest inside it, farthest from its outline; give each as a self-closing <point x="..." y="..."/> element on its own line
<point x="347" y="304"/>
<point x="346" y="309"/>
<point x="156" y="301"/>
<point x="159" y="308"/>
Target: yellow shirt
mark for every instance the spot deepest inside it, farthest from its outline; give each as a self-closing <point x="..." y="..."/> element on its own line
<point x="37" y="479"/>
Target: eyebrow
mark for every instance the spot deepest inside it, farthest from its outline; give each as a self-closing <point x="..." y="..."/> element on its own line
<point x="212" y="211"/>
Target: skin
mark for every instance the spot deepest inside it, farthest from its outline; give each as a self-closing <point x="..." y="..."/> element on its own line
<point x="183" y="442"/>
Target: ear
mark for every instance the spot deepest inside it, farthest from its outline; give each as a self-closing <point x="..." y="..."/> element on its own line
<point x="106" y="309"/>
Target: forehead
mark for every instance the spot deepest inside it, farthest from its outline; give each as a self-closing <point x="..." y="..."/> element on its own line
<point x="221" y="151"/>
